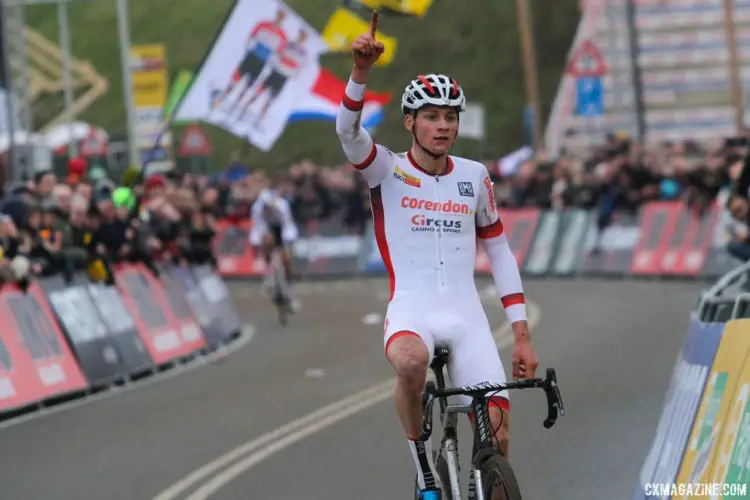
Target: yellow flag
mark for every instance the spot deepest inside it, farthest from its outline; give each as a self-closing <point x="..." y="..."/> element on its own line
<point x="344" y="26"/>
<point x="410" y="7"/>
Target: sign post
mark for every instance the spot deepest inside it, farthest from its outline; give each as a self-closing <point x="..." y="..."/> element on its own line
<point x="588" y="68"/>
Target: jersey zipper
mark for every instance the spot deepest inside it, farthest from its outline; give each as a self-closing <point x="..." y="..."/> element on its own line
<point x="441" y="268"/>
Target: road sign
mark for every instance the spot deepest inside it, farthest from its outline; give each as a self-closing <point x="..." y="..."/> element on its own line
<point x="589" y="97"/>
<point x="587" y="61"/>
<point x="194" y="142"/>
<point x="94" y="144"/>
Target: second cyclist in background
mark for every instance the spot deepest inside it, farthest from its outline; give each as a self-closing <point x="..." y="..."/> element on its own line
<point x="274" y="228"/>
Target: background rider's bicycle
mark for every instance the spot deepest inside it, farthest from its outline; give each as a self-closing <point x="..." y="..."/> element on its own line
<point x="278" y="286"/>
<point x="491" y="474"/>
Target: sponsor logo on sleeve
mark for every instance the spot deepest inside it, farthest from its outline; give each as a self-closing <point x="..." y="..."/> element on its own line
<point x="490" y="195"/>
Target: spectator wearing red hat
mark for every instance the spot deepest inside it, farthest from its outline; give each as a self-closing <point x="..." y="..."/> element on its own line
<point x="77" y="169"/>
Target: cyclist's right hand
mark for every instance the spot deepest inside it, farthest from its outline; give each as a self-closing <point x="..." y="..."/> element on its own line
<point x="366" y="50"/>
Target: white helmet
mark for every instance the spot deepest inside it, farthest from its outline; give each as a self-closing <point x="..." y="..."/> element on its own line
<point x="435" y="90"/>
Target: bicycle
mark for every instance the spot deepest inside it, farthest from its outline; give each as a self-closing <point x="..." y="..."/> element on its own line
<point x="279" y="287"/>
<point x="489" y="467"/>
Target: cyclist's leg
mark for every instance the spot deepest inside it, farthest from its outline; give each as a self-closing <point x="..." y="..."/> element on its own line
<point x="288" y="234"/>
<point x="475" y="360"/>
<point x="409" y="348"/>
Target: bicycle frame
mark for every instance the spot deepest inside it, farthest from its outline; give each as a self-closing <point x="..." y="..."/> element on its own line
<point x="483" y="446"/>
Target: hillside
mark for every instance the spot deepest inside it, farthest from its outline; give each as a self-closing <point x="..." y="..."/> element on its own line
<point x="478" y="45"/>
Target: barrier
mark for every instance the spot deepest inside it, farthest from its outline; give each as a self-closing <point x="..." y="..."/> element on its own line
<point x="703" y="435"/>
<point x="664" y="239"/>
<point x="63" y="339"/>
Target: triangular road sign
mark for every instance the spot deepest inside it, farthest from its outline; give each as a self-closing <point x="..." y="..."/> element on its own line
<point x="587" y="61"/>
<point x="93" y="145"/>
<point x="194" y="142"/>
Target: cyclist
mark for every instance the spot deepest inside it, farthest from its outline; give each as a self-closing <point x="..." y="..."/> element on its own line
<point x="273" y="227"/>
<point x="428" y="209"/>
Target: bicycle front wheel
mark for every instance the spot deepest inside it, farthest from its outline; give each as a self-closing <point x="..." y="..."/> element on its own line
<point x="498" y="479"/>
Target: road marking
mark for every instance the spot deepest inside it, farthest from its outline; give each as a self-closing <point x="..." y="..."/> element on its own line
<point x="270" y="443"/>
<point x="247" y="334"/>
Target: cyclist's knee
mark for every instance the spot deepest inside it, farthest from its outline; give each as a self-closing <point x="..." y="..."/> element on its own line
<point x="409" y="357"/>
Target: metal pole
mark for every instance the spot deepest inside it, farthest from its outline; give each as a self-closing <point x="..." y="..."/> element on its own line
<point x="62" y="19"/>
<point x="635" y="72"/>
<point x="734" y="73"/>
<point x="127" y="83"/>
<point x="529" y="63"/>
<point x="616" y="73"/>
<point x="28" y="119"/>
<point x="6" y="80"/>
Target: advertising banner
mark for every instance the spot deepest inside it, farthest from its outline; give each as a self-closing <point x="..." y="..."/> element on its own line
<point x="609" y="250"/>
<point x="731" y="463"/>
<point x="207" y="317"/>
<point x="681" y="404"/>
<point x="95" y="348"/>
<point x="689" y="243"/>
<point x="324" y="248"/>
<point x="150" y="79"/>
<point x="657" y="221"/>
<point x="715" y="403"/>
<point x="575" y="227"/>
<point x="544" y="246"/>
<point x="35" y="360"/>
<point x="120" y="325"/>
<point x="217" y="298"/>
<point x="161" y="331"/>
<point x="520" y="226"/>
<point x="718" y="260"/>
<point x="233" y="252"/>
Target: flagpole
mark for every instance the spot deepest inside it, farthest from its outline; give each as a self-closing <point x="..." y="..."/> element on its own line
<point x="528" y="54"/>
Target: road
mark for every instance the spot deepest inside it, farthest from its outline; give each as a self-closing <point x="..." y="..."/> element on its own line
<point x="613" y="345"/>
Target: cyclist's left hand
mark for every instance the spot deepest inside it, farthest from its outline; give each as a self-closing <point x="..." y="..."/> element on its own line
<point x="525" y="361"/>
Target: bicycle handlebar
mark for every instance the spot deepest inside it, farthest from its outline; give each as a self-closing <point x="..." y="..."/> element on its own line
<point x="548" y="383"/>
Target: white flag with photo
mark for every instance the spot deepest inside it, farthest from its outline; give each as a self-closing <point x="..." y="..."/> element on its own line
<point x="263" y="62"/>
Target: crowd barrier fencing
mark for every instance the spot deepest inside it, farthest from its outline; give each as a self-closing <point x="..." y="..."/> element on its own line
<point x="61" y="340"/>
<point x="703" y="434"/>
<point x="662" y="240"/>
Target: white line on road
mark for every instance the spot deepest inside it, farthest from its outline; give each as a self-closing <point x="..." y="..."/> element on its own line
<point x="268" y="444"/>
<point x="247" y="334"/>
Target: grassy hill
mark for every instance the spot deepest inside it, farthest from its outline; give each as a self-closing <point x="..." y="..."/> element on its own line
<point x="475" y="40"/>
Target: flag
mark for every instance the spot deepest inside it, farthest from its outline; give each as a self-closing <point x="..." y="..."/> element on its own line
<point x="408" y="7"/>
<point x="344" y="26"/>
<point x="323" y="101"/>
<point x="177" y="91"/>
<point x="265" y="59"/>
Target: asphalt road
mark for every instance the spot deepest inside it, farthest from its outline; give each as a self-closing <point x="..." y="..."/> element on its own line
<point x="613" y="345"/>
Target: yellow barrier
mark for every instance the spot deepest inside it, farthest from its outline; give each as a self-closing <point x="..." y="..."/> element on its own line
<point x="717" y="450"/>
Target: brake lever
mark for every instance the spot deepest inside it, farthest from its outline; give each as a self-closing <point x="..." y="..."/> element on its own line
<point x="554" y="399"/>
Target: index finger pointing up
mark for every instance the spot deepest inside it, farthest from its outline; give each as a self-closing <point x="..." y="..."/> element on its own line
<point x="374" y="23"/>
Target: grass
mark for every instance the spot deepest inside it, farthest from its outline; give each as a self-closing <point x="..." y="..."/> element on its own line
<point x="475" y="40"/>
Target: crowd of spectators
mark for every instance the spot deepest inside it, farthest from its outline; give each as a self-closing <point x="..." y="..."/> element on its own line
<point x="49" y="227"/>
<point x="615" y="178"/>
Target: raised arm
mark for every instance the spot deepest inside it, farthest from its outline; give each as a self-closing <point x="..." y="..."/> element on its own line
<point x="372" y="160"/>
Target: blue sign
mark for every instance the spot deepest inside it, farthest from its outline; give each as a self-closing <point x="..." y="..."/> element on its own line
<point x="681" y="405"/>
<point x="589" y="97"/>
